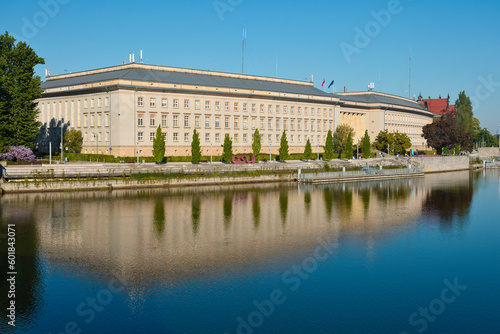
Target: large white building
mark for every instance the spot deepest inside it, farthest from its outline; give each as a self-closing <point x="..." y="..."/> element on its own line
<point x="118" y="110"/>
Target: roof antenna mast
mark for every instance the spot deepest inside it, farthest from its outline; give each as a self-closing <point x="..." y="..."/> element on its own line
<point x="409" y="82"/>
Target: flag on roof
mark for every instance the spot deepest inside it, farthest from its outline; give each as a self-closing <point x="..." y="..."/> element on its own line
<point x="323" y="82"/>
<point x="331" y="84"/>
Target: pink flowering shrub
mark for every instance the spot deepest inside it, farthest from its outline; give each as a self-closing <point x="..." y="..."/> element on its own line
<point x="18" y="153"/>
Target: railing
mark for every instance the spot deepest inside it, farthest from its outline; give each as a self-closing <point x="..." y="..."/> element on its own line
<point x="370" y="171"/>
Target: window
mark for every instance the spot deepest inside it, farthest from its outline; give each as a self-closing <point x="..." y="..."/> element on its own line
<point x="261" y="108"/>
<point x="277" y="109"/>
<point x="253" y="107"/>
<point x="269" y="124"/>
<point x="305" y="111"/>
<point x="99" y="103"/>
<point x="299" y="111"/>
<point x="226" y="106"/>
<point x="277" y="138"/>
<point x="226" y="122"/>
<point x="312" y="125"/>
<point x="284" y="124"/>
<point x="217" y="122"/>
<point x="244" y="107"/>
<point x="152" y="120"/>
<point x="284" y="109"/>
<point x="106" y="101"/>
<point x="217" y="105"/>
<point x="235" y="137"/>
<point x="305" y="125"/>
<point x="298" y="137"/>
<point x="291" y="137"/>
<point x="244" y="123"/>
<point x="270" y="109"/>
<point x="253" y="123"/>
<point x="107" y="136"/>
<point x="176" y="103"/>
<point x="164" y="134"/>
<point x="176" y="121"/>
<point x="292" y="124"/>
<point x="269" y="138"/>
<point x="99" y="120"/>
<point x="186" y="136"/>
<point x="262" y="123"/>
<point x="207" y="105"/>
<point x="197" y="121"/>
<point x="186" y="104"/>
<point x="236" y="122"/>
<point x="207" y="137"/>
<point x="92" y="120"/>
<point x="277" y="124"/>
<point x="106" y="120"/>
<point x="319" y="125"/>
<point x="298" y="124"/>
<point x="197" y="105"/>
<point x="92" y="104"/>
<point x="140" y="136"/>
<point x="244" y="137"/>
<point x="164" y="121"/>
<point x="207" y="122"/>
<point x="152" y="136"/>
<point x="140" y="102"/>
<point x="312" y="111"/>
<point x="186" y="121"/>
<point x="85" y="105"/>
<point x="152" y="102"/>
<point x="235" y="106"/>
<point x="176" y="136"/>
<point x="164" y="103"/>
<point x="217" y="137"/>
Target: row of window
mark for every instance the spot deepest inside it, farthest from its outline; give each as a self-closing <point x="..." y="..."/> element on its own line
<point x="92" y="118"/>
<point x="236" y="123"/>
<point x="405" y="118"/>
<point x="236" y="106"/>
<point x="95" y="136"/>
<point x="236" y="137"/>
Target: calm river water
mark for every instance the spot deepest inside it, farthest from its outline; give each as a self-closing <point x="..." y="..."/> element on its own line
<point x="405" y="256"/>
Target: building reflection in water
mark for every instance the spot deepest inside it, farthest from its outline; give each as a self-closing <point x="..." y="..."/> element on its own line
<point x="179" y="234"/>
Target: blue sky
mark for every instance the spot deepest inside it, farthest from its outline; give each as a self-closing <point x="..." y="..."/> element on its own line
<point x="455" y="45"/>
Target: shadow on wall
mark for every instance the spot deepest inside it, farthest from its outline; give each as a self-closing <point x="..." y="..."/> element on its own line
<point x="50" y="133"/>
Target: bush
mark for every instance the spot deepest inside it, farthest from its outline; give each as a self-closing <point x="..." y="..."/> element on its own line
<point x="18" y="153"/>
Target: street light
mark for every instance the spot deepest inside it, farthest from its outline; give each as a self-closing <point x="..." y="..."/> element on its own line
<point x="270" y="155"/>
<point x="210" y="152"/>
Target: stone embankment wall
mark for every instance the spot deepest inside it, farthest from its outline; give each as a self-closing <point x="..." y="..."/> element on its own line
<point x="440" y="164"/>
<point x="489" y="152"/>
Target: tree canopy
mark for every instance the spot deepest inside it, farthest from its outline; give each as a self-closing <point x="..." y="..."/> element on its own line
<point x="446" y="133"/>
<point x="340" y="137"/>
<point x="256" y="145"/>
<point x="485" y="137"/>
<point x="383" y="141"/>
<point x="227" y="149"/>
<point x="19" y="88"/>
<point x="348" y="147"/>
<point x="308" y="155"/>
<point x="365" y="145"/>
<point x="195" y="148"/>
<point x="463" y="112"/>
<point x="283" y="147"/>
<point x="159" y="146"/>
<point x="329" y="146"/>
<point x="73" y="140"/>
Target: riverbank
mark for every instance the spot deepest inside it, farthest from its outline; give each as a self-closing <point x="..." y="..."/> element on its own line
<point x="91" y="177"/>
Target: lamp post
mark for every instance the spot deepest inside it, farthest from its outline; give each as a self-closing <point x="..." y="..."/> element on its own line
<point x="318" y="151"/>
<point x="62" y="146"/>
<point x="357" y="151"/>
<point x="270" y="155"/>
<point x="210" y="152"/>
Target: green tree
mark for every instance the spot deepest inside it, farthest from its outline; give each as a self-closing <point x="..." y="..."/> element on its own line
<point x="366" y="145"/>
<point x="195" y="148"/>
<point x="485" y="137"/>
<point x="73" y="140"/>
<point x="383" y="140"/>
<point x="159" y="146"/>
<point x="308" y="154"/>
<point x="401" y="142"/>
<point x="340" y="137"/>
<point x="19" y="88"/>
<point x="256" y="145"/>
<point x="329" y="146"/>
<point x="348" y="147"/>
<point x="463" y="113"/>
<point x="283" y="147"/>
<point x="476" y="126"/>
<point x="227" y="151"/>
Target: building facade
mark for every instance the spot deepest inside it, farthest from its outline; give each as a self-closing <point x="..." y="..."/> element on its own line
<point x="118" y="110"/>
